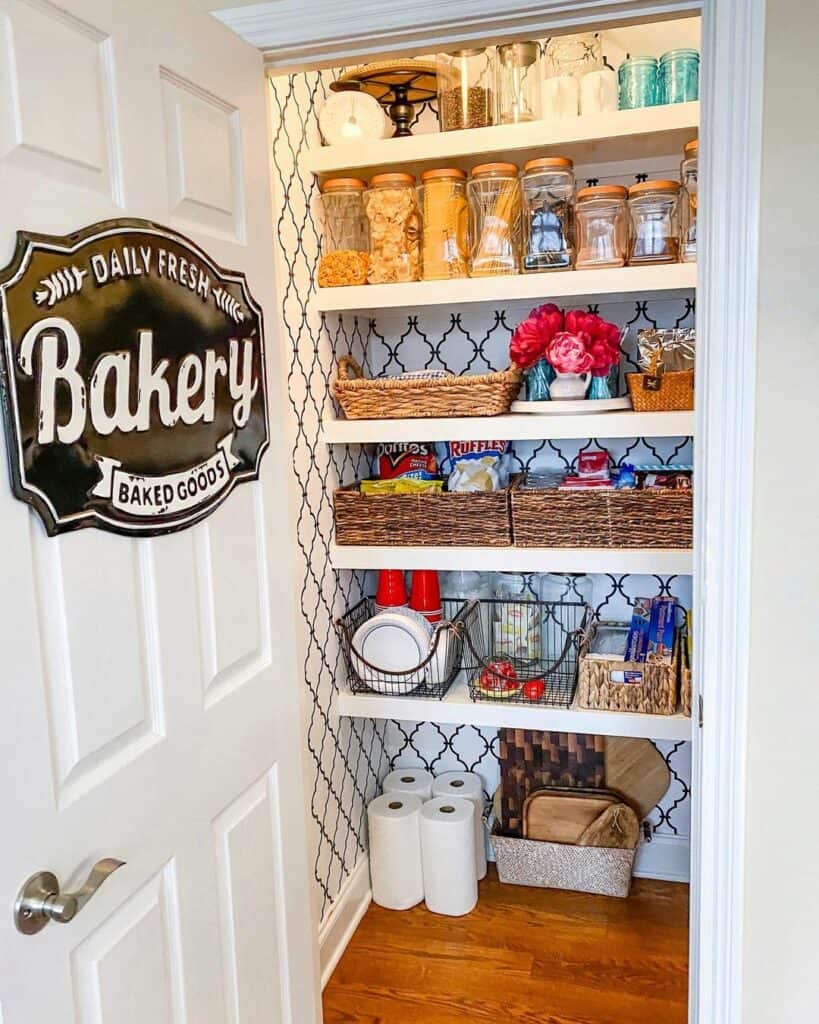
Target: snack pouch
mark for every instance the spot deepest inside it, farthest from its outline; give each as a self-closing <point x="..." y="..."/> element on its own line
<point x="475" y="465"/>
<point x="399" y="460"/>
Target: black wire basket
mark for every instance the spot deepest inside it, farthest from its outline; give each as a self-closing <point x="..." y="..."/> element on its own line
<point x="432" y="677"/>
<point x="525" y="652"/>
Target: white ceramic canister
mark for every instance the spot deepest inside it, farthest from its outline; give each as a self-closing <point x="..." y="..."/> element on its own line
<point x="561" y="97"/>
<point x="598" y="91"/>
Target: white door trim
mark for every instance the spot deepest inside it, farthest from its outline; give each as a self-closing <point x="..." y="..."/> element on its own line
<point x="303" y="33"/>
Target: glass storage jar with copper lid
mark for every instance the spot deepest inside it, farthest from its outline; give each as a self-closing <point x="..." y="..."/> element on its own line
<point x="654" y="209"/>
<point x="688" y="222"/>
<point x="602" y="226"/>
<point x="494" y="219"/>
<point x="444" y="224"/>
<point x="345" y="256"/>
<point x="466" y="82"/>
<point x="395" y="229"/>
<point x="548" y="221"/>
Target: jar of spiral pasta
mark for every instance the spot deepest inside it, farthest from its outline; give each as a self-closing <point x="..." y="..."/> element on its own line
<point x="345" y="258"/>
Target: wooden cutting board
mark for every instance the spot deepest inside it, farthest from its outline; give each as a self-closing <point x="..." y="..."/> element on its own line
<point x="564" y="816"/>
<point x="637" y="771"/>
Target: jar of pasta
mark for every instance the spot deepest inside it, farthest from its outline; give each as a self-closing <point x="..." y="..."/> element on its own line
<point x="445" y="224"/>
<point x="654" y="208"/>
<point x="395" y="229"/>
<point x="602" y="227"/>
<point x="345" y="256"/>
<point x="494" y="219"/>
<point x="548" y="222"/>
<point x="688" y="225"/>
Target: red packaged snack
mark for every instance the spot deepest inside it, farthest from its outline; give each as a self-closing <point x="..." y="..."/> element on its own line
<point x="412" y="460"/>
<point x="499" y="679"/>
<point x="593" y="465"/>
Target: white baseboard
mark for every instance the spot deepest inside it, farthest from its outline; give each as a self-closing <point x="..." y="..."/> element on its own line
<point x="348" y="908"/>
<point x="667" y="858"/>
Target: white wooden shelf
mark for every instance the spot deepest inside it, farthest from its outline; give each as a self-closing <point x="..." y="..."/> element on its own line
<point x="671" y="280"/>
<point x="590" y="139"/>
<point x="457" y="709"/>
<point x="512" y="427"/>
<point x="662" y="561"/>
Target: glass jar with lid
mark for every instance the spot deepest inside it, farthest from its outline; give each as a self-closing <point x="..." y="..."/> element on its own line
<point x="519" y="80"/>
<point x="566" y="60"/>
<point x="345" y="257"/>
<point x="654" y="209"/>
<point x="678" y="77"/>
<point x="466" y="80"/>
<point x="395" y="229"/>
<point x="445" y="224"/>
<point x="637" y="81"/>
<point x="688" y="225"/>
<point x="494" y="219"/>
<point x="548" y="221"/>
<point x="602" y="226"/>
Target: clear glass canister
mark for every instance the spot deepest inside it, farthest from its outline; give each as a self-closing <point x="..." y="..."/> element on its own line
<point x="494" y="219"/>
<point x="519" y="79"/>
<point x="566" y="60"/>
<point x="654" y="209"/>
<point x="637" y="83"/>
<point x="548" y="221"/>
<point x="678" y="78"/>
<point x="445" y="224"/>
<point x="466" y="81"/>
<point x="345" y="256"/>
<point x="688" y="225"/>
<point x="395" y="229"/>
<point x="602" y="226"/>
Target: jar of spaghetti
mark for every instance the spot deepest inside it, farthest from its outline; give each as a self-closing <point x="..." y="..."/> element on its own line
<point x="548" y="221"/>
<point x="445" y="224"/>
<point x="688" y="224"/>
<point x="602" y="227"/>
<point x="654" y="208"/>
<point x="494" y="219"/>
<point x="345" y="256"/>
<point x="395" y="229"/>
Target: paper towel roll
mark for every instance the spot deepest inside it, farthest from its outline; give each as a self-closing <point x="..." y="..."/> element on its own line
<point x="448" y="855"/>
<point x="395" y="850"/>
<point x="409" y="780"/>
<point x="469" y="786"/>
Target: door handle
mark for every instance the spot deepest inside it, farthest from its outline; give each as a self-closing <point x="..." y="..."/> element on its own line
<point x="40" y="900"/>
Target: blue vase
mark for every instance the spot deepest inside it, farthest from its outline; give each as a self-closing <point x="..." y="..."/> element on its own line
<point x="599" y="388"/>
<point x="538" y="379"/>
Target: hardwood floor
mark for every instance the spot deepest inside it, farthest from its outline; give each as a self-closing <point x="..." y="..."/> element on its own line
<point x="525" y="956"/>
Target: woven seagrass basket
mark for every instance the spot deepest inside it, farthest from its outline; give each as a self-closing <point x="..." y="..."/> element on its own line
<point x="485" y="394"/>
<point x="661" y="392"/>
<point x="655" y="694"/>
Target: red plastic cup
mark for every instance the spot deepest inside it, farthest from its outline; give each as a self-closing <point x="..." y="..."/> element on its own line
<point x="392" y="591"/>
<point x="425" y="596"/>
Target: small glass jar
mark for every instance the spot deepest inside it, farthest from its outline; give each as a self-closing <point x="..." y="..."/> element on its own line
<point x="688" y="220"/>
<point x="466" y="80"/>
<point x="548" y="220"/>
<point x="395" y="229"/>
<point x="445" y="224"/>
<point x="345" y="258"/>
<point x="654" y="209"/>
<point x="602" y="226"/>
<point x="519" y="78"/>
<point x="637" y="81"/>
<point x="494" y="219"/>
<point x="678" y="78"/>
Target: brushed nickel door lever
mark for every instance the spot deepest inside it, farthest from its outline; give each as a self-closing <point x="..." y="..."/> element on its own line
<point x="40" y="900"/>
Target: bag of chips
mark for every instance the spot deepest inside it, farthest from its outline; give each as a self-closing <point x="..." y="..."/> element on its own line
<point x="475" y="465"/>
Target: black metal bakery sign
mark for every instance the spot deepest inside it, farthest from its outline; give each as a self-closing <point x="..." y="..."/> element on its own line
<point x="133" y="378"/>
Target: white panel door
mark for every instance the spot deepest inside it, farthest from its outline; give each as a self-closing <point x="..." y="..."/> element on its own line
<point x="149" y="704"/>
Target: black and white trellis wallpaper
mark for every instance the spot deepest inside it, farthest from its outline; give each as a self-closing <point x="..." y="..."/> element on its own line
<point x="349" y="757"/>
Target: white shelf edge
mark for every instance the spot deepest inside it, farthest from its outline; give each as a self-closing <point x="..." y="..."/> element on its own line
<point x="545" y="135"/>
<point x="511" y="427"/>
<point x="661" y="561"/>
<point x="670" y="279"/>
<point x="457" y="709"/>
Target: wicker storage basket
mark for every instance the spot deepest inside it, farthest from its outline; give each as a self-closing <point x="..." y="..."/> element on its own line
<point x="665" y="392"/>
<point x="486" y="394"/>
<point x="602" y="519"/>
<point x="655" y="695"/>
<point x="606" y="872"/>
<point x="445" y="519"/>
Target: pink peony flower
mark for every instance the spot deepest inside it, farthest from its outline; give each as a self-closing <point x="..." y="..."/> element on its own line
<point x="568" y="353"/>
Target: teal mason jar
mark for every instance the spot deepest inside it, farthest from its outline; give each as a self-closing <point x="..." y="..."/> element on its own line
<point x="637" y="79"/>
<point x="678" y="79"/>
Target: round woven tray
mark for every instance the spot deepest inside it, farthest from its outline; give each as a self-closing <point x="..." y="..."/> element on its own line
<point x="378" y="78"/>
